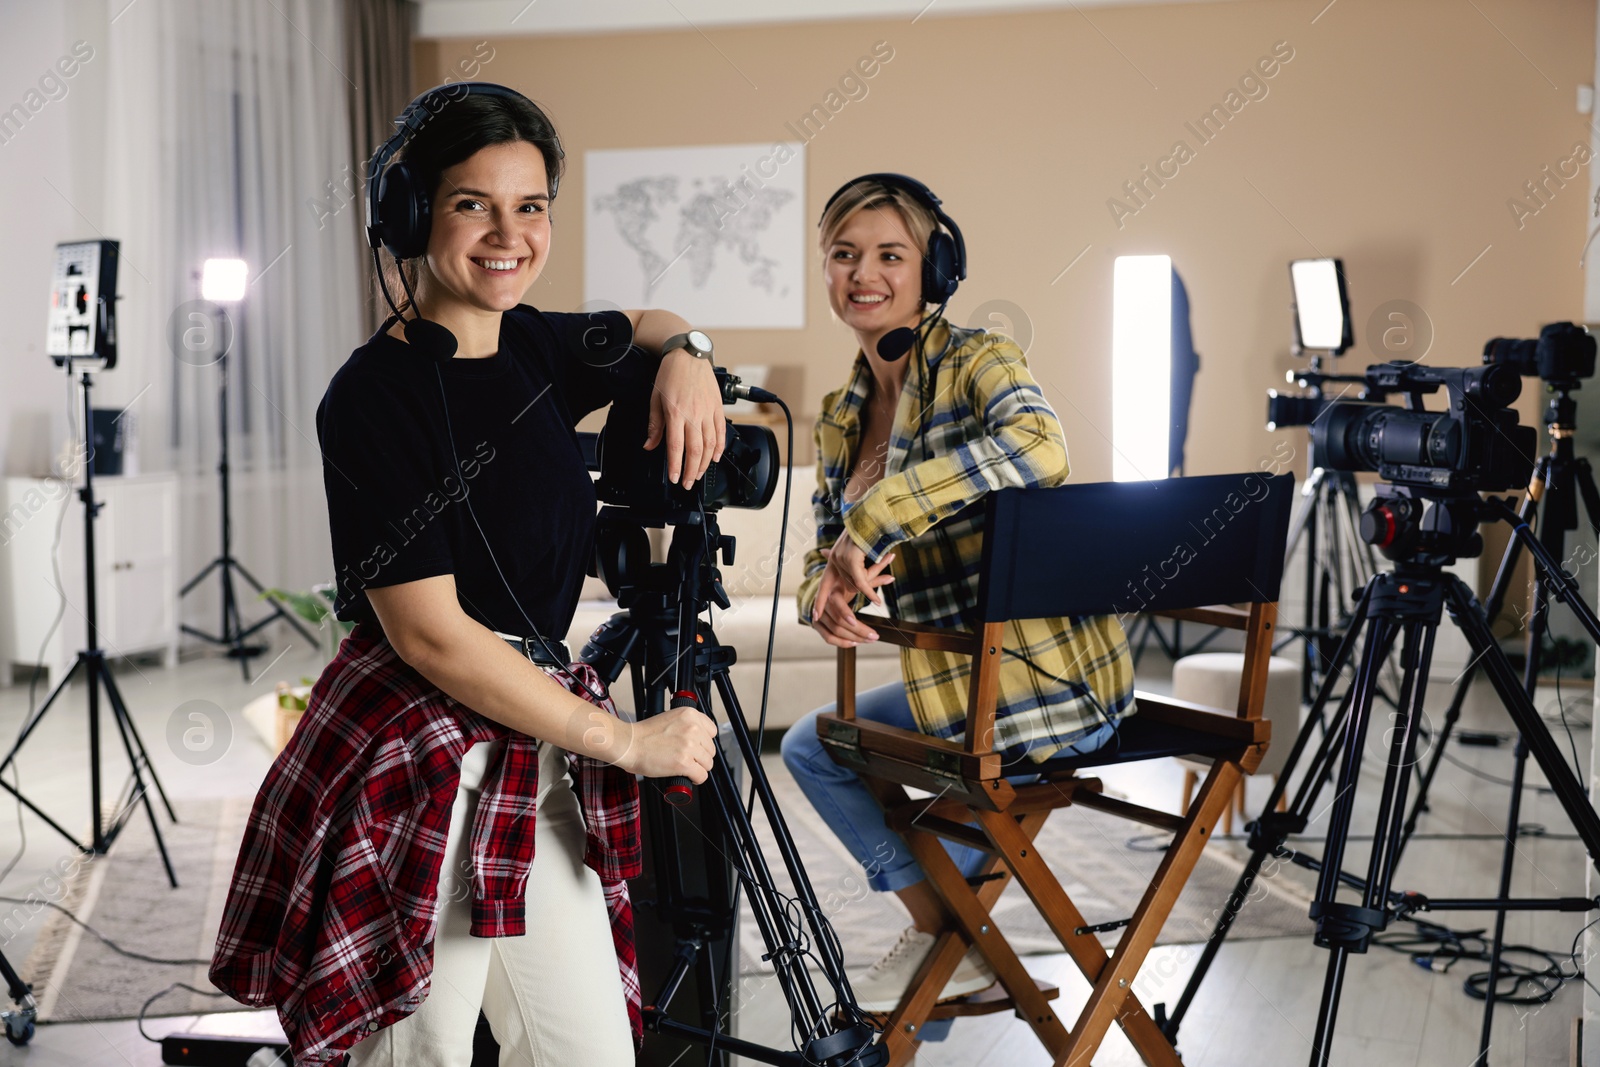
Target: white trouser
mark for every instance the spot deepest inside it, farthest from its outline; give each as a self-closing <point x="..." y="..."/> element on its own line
<point x="552" y="996"/>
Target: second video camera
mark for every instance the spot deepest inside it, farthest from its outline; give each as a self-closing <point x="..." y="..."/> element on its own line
<point x="1476" y="445"/>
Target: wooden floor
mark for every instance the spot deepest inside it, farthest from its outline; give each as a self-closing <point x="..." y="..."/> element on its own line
<point x="1258" y="1007"/>
<point x="1259" y="1003"/>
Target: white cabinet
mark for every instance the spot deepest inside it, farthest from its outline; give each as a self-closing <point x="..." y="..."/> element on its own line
<point x="136" y="580"/>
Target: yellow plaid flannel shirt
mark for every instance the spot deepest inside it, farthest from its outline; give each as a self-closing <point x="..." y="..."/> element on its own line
<point x="970" y="419"/>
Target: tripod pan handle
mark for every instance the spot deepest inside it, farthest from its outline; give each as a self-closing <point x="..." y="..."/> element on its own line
<point x="678" y="790"/>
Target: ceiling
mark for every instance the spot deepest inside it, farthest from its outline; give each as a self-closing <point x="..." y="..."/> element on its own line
<point x="501" y="18"/>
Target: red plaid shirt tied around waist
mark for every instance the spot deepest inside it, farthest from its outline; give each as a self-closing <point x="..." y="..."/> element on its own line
<point x="335" y="895"/>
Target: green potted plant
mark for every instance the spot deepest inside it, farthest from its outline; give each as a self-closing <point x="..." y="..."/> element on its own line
<point x="316" y="608"/>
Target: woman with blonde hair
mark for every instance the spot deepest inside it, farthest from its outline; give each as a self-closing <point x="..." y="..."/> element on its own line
<point x="931" y="418"/>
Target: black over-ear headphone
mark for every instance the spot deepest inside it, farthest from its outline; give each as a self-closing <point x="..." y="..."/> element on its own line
<point x="944" y="266"/>
<point x="399" y="209"/>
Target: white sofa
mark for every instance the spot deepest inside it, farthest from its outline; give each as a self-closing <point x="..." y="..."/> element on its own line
<point x="803" y="665"/>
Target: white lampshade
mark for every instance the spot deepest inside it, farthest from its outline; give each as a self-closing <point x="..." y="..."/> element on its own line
<point x="1141" y="367"/>
<point x="223" y="280"/>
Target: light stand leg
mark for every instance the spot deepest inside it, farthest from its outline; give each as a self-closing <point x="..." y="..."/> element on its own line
<point x="131" y="740"/>
<point x="16" y="746"/>
<point x="233" y="633"/>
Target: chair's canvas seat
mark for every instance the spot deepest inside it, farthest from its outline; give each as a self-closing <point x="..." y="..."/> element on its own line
<point x="1139" y="738"/>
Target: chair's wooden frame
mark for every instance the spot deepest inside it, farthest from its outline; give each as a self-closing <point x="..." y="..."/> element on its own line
<point x="975" y="805"/>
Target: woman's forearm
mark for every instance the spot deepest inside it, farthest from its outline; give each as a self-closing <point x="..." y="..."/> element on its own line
<point x="653" y="327"/>
<point x="480" y="671"/>
<point x="486" y="674"/>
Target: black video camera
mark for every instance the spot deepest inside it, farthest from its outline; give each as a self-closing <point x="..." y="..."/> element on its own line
<point x="1563" y="354"/>
<point x="1476" y="445"/>
<point x="745" y="477"/>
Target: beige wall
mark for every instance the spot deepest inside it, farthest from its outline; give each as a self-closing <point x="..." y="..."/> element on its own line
<point x="1394" y="138"/>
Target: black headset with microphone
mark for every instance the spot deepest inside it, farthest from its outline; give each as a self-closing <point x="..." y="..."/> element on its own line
<point x="944" y="265"/>
<point x="400" y="208"/>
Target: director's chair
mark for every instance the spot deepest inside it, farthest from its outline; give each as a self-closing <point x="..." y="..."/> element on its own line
<point x="1179" y="548"/>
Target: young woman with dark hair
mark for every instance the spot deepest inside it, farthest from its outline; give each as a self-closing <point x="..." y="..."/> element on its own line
<point x="453" y="823"/>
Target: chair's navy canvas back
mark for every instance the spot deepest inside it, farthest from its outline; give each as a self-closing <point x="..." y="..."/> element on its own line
<point x="1124" y="547"/>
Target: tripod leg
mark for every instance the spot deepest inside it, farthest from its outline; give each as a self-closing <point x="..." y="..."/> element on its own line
<point x="119" y="713"/>
<point x="833" y="963"/>
<point x="1496" y="598"/>
<point x="804" y="1005"/>
<point x="126" y="720"/>
<point x="1328" y="1013"/>
<point x="1313" y="644"/>
<point x="1538" y="623"/>
<point x="1561" y="778"/>
<point x="38" y="715"/>
<point x="1269" y="832"/>
<point x="1583" y="475"/>
<point x="232" y="626"/>
<point x="1341" y="925"/>
<point x="192" y="582"/>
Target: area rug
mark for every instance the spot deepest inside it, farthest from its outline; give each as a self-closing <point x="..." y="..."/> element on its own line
<point x="1104" y="864"/>
<point x="126" y="897"/>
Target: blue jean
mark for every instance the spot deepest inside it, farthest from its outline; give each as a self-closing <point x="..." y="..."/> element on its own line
<point x="850" y="809"/>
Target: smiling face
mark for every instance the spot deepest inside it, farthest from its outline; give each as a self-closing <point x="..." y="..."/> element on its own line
<point x="874" y="274"/>
<point x="491" y="230"/>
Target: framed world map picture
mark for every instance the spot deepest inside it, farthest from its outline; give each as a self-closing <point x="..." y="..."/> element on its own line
<point x="715" y="233"/>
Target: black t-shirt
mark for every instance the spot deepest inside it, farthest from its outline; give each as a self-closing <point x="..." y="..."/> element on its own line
<point x="396" y="494"/>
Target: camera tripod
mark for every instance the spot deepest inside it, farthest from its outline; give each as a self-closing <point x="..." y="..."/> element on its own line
<point x="1560" y="480"/>
<point x="1338" y="562"/>
<point x="91" y="663"/>
<point x="675" y="657"/>
<point x="1404" y="604"/>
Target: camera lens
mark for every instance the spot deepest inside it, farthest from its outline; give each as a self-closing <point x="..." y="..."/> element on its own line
<point x="1362" y="437"/>
<point x="1291" y="410"/>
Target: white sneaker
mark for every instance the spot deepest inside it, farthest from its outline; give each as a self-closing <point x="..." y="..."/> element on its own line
<point x="880" y="987"/>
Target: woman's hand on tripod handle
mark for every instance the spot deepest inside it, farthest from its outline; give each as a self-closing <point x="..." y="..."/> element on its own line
<point x="430" y="631"/>
<point x="679" y="742"/>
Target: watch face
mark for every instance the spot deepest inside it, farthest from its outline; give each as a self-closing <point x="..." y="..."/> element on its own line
<point x="700" y="340"/>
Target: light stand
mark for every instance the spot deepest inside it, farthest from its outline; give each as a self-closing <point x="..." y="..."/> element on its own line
<point x="92" y="662"/>
<point x="227" y="284"/>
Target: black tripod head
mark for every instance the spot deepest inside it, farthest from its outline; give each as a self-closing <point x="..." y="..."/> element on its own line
<point x="1412" y="526"/>
<point x="622" y="559"/>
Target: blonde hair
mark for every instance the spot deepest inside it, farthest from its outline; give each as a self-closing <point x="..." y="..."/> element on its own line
<point x="874" y="194"/>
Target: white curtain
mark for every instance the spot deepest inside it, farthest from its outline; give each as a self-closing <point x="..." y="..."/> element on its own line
<point x="226" y="125"/>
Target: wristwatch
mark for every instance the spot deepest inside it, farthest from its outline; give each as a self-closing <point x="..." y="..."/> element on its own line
<point x="695" y="342"/>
